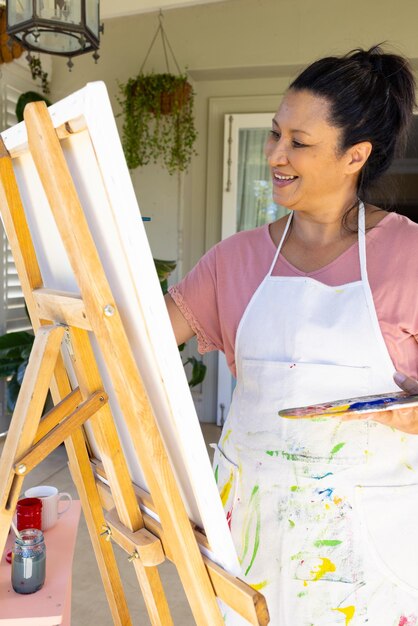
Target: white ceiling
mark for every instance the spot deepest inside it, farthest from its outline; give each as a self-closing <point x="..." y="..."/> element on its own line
<point x="110" y="8"/>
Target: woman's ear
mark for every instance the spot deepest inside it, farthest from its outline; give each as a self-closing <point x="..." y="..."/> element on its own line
<point x="357" y="156"/>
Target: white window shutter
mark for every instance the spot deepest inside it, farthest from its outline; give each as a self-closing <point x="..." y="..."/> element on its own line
<point x="13" y="314"/>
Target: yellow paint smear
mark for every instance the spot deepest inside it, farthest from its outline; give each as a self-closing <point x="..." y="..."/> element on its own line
<point x="338" y="409"/>
<point x="325" y="567"/>
<point x="348" y="611"/>
<point x="226" y="489"/>
<point x="228" y="432"/>
<point x="258" y="586"/>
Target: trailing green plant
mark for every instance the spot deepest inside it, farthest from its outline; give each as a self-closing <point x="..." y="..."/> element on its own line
<point x="15" y="349"/>
<point x="198" y="368"/>
<point x="36" y="69"/>
<point x="158" y="121"/>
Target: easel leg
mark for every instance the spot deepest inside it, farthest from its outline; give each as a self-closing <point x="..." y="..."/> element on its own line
<point x="107" y="438"/>
<point x="83" y="478"/>
<point x="25" y="420"/>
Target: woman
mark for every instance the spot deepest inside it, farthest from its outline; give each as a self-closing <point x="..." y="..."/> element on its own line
<point x="321" y="305"/>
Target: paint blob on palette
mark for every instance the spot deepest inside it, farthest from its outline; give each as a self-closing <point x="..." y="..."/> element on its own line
<point x="362" y="404"/>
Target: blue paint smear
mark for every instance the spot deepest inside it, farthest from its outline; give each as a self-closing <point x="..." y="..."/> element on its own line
<point x="370" y="404"/>
<point x="321" y="477"/>
<point x="327" y="492"/>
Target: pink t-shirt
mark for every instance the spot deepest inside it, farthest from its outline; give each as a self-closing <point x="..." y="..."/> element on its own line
<point x="215" y="293"/>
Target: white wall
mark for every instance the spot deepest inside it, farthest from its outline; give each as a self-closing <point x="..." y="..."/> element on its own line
<point x="240" y="55"/>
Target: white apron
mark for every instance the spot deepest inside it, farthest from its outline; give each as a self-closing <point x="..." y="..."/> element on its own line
<point x="324" y="513"/>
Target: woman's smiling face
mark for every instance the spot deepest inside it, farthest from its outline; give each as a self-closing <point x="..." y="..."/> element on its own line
<point x="303" y="150"/>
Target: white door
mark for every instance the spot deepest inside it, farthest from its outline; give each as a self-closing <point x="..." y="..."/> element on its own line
<point x="246" y="202"/>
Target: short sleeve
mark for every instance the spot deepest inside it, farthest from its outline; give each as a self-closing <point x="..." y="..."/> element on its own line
<point x="197" y="298"/>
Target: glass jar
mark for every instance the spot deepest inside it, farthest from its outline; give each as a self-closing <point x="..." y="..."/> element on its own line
<point x="28" y="561"/>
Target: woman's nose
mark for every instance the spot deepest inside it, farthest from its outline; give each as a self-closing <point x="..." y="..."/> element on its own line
<point x="276" y="153"/>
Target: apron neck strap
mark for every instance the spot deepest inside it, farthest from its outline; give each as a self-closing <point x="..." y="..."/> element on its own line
<point x="361" y="241"/>
<point x="279" y="247"/>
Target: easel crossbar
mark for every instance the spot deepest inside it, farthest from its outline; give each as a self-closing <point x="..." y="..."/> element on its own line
<point x="57" y="435"/>
<point x="140" y="544"/>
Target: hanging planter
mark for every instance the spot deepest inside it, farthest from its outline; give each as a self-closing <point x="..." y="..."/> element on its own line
<point x="158" y="117"/>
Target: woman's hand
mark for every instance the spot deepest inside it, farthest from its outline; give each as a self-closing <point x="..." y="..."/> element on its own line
<point x="405" y="419"/>
<point x="408" y="384"/>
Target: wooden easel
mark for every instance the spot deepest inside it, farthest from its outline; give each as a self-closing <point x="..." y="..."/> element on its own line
<point x="58" y="316"/>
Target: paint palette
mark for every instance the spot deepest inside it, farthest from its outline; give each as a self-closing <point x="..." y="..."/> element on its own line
<point x="362" y="404"/>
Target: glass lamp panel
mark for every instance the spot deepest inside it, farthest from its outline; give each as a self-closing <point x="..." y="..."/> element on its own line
<point x="59" y="11"/>
<point x="18" y="11"/>
<point x="55" y="43"/>
<point x="92" y="16"/>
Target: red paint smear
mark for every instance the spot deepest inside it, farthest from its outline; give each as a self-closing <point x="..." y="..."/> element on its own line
<point x="408" y="621"/>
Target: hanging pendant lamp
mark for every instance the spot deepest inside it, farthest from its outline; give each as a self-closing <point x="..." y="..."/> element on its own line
<point x="60" y="27"/>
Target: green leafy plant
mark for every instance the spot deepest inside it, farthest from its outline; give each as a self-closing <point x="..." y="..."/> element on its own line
<point x="198" y="368"/>
<point x="37" y="72"/>
<point x="25" y="98"/>
<point x="15" y="349"/>
<point x="158" y="120"/>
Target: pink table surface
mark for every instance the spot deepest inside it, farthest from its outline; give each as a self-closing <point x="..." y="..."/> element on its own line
<point x="51" y="605"/>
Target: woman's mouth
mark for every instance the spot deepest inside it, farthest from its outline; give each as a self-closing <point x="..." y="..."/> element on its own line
<point x="282" y="180"/>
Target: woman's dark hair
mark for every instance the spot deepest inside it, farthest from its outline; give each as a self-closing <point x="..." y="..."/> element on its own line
<point x="372" y="96"/>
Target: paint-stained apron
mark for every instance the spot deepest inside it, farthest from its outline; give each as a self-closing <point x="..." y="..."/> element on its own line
<point x="324" y="513"/>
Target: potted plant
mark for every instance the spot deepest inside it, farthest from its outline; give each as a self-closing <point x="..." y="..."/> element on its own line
<point x="158" y="120"/>
<point x="15" y="349"/>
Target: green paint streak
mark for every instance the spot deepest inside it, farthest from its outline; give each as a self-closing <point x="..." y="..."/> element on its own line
<point x="295" y="488"/>
<point x="298" y="555"/>
<point x="286" y="455"/>
<point x="337" y="448"/>
<point x="302" y="593"/>
<point x="292" y="523"/>
<point x="327" y="542"/>
<point x="252" y="512"/>
<point x="216" y="473"/>
<point x="289" y="456"/>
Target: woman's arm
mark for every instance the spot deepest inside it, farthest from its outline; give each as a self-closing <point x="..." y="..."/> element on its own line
<point x="182" y="331"/>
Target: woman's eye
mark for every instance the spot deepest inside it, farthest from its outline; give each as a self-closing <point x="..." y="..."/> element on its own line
<point x="274" y="135"/>
<point x="297" y="144"/>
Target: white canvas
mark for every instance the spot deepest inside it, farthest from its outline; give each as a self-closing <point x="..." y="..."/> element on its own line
<point x="97" y="164"/>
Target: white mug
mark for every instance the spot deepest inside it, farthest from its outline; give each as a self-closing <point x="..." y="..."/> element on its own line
<point x="50" y="497"/>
